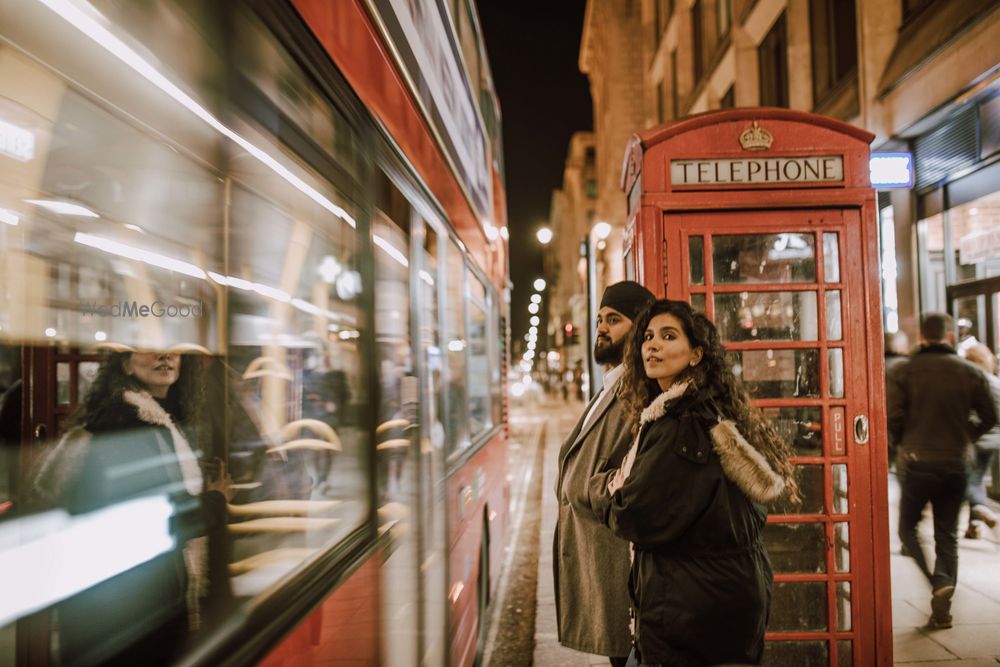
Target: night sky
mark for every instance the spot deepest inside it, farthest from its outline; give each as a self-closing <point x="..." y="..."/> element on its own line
<point x="533" y="49"/>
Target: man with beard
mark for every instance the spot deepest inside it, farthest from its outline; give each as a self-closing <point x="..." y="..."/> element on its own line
<point x="590" y="564"/>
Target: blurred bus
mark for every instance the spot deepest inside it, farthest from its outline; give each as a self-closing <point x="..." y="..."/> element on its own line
<point x="299" y="205"/>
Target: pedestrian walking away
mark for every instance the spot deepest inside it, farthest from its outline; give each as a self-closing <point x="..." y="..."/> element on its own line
<point x="590" y="563"/>
<point x="690" y="496"/>
<point x="931" y="400"/>
<point x="984" y="451"/>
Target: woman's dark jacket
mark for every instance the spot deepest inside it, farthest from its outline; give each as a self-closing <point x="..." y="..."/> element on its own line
<point x="131" y="450"/>
<point x="700" y="580"/>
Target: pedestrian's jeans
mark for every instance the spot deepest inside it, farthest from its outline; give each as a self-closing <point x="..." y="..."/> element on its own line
<point x="633" y="661"/>
<point x="975" y="490"/>
<point x="943" y="485"/>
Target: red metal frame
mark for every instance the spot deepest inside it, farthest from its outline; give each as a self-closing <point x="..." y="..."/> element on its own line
<point x="667" y="217"/>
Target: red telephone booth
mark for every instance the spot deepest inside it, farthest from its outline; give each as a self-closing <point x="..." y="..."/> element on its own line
<point x="764" y="219"/>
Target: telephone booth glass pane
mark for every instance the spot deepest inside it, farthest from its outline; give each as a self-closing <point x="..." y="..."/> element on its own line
<point x="767" y="316"/>
<point x="796" y="654"/>
<point x="843" y="606"/>
<point x="845" y="653"/>
<point x="794" y="608"/>
<point x="800" y="427"/>
<point x="834" y="327"/>
<point x="842" y="547"/>
<point x="840" y="490"/>
<point x="831" y="257"/>
<point x="764" y="258"/>
<point x="810" y="479"/>
<point x="796" y="547"/>
<point x="777" y="373"/>
<point x="836" y="371"/>
<point x="696" y="255"/>
<point x="698" y="302"/>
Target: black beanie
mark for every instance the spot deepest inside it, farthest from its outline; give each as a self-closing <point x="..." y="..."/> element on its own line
<point x="627" y="297"/>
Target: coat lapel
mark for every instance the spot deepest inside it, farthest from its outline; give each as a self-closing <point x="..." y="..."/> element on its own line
<point x="606" y="399"/>
<point x="571" y="440"/>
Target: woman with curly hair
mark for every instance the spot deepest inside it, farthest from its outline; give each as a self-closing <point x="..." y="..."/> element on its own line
<point x="689" y="496"/>
<point x="136" y="435"/>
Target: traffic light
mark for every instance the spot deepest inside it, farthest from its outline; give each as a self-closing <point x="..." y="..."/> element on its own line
<point x="571" y="335"/>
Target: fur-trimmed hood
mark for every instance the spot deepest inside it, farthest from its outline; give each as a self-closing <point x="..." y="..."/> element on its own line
<point x="151" y="412"/>
<point x="741" y="462"/>
<point x="67" y="457"/>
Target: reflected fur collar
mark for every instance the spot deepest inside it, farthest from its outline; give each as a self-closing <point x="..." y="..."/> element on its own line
<point x="741" y="462"/>
<point x="151" y="412"/>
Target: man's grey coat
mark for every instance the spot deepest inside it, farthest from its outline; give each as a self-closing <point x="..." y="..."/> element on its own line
<point x="590" y="564"/>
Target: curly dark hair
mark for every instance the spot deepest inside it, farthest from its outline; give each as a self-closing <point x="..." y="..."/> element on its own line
<point x="100" y="406"/>
<point x="712" y="380"/>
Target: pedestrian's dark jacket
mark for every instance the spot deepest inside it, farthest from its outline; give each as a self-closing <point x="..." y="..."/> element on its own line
<point x="929" y="402"/>
<point x="893" y="361"/>
<point x="700" y="581"/>
<point x="590" y="564"/>
<point x="134" y="450"/>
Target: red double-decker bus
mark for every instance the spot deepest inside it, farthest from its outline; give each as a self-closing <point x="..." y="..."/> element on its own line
<point x="253" y="333"/>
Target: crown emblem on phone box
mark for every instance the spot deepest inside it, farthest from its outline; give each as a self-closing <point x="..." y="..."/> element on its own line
<point x="755" y="138"/>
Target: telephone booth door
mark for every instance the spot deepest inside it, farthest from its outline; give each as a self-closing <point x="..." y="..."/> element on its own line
<point x="791" y="323"/>
<point x="788" y="273"/>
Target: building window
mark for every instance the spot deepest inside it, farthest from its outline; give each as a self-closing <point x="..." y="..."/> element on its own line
<point x="913" y="7"/>
<point x="661" y="110"/>
<point x="772" y="54"/>
<point x="664" y="9"/>
<point x="724" y="17"/>
<point x="674" y="103"/>
<point x="728" y="100"/>
<point x="697" y="40"/>
<point x="834" y="44"/>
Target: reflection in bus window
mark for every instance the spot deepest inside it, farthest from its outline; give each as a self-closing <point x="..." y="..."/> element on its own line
<point x="398" y="421"/>
<point x="457" y="424"/>
<point x="480" y="414"/>
<point x="296" y="448"/>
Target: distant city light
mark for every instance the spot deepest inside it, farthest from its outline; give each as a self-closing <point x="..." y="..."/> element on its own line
<point x="602" y="230"/>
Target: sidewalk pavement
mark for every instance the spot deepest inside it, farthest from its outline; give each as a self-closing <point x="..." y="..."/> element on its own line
<point x="548" y="651"/>
<point x="974" y="641"/>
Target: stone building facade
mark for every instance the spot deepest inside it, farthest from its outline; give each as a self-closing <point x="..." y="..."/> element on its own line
<point x="923" y="75"/>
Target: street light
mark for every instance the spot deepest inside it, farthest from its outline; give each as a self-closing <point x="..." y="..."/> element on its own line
<point x="539" y="284"/>
<point x="536" y="298"/>
<point x="602" y="230"/>
<point x="544" y="235"/>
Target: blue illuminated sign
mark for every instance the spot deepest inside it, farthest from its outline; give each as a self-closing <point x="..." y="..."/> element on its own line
<point x="891" y="170"/>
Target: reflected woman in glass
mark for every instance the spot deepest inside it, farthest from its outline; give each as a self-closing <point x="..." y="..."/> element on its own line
<point x="135" y="436"/>
<point x="690" y="494"/>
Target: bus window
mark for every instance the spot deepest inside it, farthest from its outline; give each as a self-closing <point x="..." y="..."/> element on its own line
<point x="457" y="423"/>
<point x="480" y="366"/>
<point x="293" y="386"/>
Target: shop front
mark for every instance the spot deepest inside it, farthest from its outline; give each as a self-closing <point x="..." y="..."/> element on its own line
<point x="944" y="235"/>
